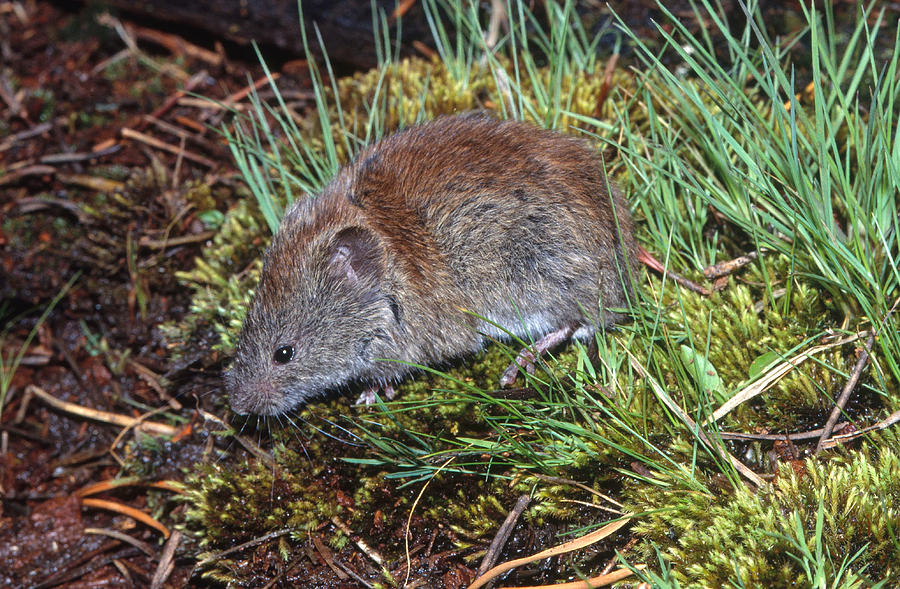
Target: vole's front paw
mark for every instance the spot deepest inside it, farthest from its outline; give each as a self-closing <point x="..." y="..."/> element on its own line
<point x="369" y="396"/>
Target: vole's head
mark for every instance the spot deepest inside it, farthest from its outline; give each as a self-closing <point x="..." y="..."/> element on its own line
<point x="319" y="318"/>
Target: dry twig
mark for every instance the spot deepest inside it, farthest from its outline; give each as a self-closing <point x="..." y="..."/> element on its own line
<point x="648" y="260"/>
<point x="846" y="391"/>
<point x="729" y="266"/>
<point x="499" y="541"/>
<point x="162" y="145"/>
<point x="166" y="561"/>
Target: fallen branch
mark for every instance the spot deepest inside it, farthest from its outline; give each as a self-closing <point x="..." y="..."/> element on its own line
<point x="148" y="427"/>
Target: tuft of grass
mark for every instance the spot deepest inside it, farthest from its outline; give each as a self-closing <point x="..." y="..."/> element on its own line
<point x="281" y="161"/>
<point x="810" y="171"/>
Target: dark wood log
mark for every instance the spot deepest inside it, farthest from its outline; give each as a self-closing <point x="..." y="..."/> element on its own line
<point x="345" y="25"/>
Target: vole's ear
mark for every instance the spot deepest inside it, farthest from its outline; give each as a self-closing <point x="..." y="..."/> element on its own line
<point x="356" y="256"/>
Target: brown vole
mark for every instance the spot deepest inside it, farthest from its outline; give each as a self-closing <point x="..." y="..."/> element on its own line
<point x="426" y="229"/>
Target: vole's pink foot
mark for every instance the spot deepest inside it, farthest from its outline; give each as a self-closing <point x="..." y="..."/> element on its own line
<point x="368" y="396"/>
<point x="527" y="356"/>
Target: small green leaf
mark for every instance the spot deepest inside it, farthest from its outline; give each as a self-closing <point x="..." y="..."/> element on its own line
<point x="759" y="365"/>
<point x="211" y="219"/>
<point x="705" y="373"/>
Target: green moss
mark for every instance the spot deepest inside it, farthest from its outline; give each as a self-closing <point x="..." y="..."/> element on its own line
<point x="247" y="500"/>
<point x="223" y="280"/>
<point x="743" y="538"/>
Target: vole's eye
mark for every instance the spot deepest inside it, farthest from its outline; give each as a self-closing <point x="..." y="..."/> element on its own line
<point x="283" y="354"/>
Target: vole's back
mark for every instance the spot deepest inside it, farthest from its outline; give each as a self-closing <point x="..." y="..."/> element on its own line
<point x="512" y="222"/>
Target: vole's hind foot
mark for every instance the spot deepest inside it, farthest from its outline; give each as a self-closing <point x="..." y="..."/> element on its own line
<point x="527" y="356"/>
<point x="369" y="396"/>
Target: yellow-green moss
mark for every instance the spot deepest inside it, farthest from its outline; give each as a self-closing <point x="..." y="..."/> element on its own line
<point x="740" y="538"/>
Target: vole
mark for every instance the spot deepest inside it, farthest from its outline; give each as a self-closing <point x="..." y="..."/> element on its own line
<point x="421" y="247"/>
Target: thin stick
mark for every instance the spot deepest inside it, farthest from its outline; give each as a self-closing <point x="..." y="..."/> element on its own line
<point x="154" y="142"/>
<point x="884" y="423"/>
<point x="648" y="260"/>
<point x="499" y="541"/>
<point x="246" y="90"/>
<point x="564" y="481"/>
<point x="813" y="433"/>
<point x="360" y="543"/>
<point x="242" y="440"/>
<point x="123" y="537"/>
<point x="26" y="134"/>
<point x="166" y="561"/>
<point x="55" y="159"/>
<point x="847" y="391"/>
<point x="172" y="100"/>
<point x="239" y="547"/>
<point x="175" y="44"/>
<point x="150" y="427"/>
<point x="23" y="171"/>
<point x="161" y="244"/>
<point x="127" y="510"/>
<point x="729" y="266"/>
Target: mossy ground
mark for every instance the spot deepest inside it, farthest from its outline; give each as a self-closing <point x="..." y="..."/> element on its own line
<point x="714" y="540"/>
<point x="492" y="451"/>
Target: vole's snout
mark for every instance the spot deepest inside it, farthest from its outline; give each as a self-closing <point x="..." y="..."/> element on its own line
<point x="255" y="398"/>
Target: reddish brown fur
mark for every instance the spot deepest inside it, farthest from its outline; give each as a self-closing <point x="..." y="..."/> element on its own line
<point x="466" y="213"/>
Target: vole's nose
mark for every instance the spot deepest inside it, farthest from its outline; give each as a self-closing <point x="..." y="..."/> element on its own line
<point x="258" y="397"/>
